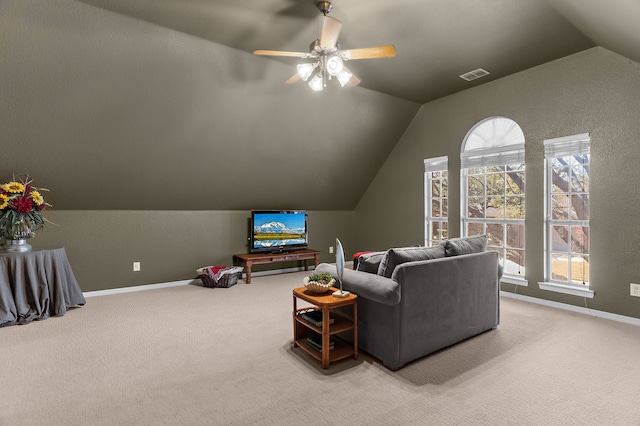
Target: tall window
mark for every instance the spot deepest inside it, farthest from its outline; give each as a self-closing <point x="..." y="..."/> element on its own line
<point x="436" y="195"/>
<point x="493" y="191"/>
<point x="567" y="162"/>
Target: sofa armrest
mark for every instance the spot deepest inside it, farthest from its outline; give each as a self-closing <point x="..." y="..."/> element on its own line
<point x="369" y="286"/>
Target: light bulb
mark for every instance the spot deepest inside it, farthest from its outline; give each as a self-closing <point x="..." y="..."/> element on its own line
<point x="316" y="83"/>
<point x="305" y="70"/>
<point x="334" y="65"/>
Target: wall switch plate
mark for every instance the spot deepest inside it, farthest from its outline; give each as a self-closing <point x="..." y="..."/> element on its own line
<point x="136" y="266"/>
<point x="330" y="249"/>
<point x="635" y="289"/>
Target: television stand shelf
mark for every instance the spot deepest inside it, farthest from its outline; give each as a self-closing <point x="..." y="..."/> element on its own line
<point x="249" y="259"/>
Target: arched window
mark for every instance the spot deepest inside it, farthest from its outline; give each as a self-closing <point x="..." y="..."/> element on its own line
<point x="493" y="191"/>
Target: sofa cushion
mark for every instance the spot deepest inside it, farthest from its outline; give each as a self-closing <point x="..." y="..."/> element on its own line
<point x="398" y="256"/>
<point x="466" y="245"/>
<point x="370" y="262"/>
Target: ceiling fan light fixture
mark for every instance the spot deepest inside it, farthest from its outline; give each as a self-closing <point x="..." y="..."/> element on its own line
<point x="305" y="70"/>
<point x="317" y="83"/>
<point x="344" y="77"/>
<point x="327" y="56"/>
<point x="334" y="65"/>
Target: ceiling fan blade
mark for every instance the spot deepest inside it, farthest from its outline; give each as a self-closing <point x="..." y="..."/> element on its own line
<point x="331" y="28"/>
<point x="369" y="52"/>
<point x="282" y="53"/>
<point x="293" y="79"/>
<point x="354" y="80"/>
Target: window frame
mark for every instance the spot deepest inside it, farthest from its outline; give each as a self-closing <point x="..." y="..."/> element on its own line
<point x="567" y="146"/>
<point x="497" y="142"/>
<point x="504" y="221"/>
<point x="435" y="165"/>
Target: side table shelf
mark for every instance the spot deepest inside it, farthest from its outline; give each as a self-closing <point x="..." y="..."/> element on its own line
<point x="303" y="329"/>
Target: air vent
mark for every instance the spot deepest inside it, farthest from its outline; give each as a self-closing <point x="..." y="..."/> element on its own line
<point x="472" y="75"/>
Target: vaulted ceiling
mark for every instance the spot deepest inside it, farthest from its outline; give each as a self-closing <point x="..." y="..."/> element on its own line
<point x="436" y="40"/>
<point x="160" y="104"/>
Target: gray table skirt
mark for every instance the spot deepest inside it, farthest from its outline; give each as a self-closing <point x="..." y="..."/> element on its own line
<point x="36" y="285"/>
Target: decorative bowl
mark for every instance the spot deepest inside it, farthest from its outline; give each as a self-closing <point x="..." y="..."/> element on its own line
<point x="318" y="287"/>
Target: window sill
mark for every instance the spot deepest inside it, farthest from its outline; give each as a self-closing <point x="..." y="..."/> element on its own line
<point x="567" y="289"/>
<point x="511" y="279"/>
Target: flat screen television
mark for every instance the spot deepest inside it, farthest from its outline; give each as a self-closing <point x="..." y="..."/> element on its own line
<point x="278" y="230"/>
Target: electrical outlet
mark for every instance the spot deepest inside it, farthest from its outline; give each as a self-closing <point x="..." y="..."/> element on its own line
<point x="136" y="266"/>
<point x="330" y="249"/>
<point x="635" y="289"/>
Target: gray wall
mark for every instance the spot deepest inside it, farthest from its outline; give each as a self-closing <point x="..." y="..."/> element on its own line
<point x="115" y="113"/>
<point x="155" y="144"/>
<point x="595" y="91"/>
<point x="171" y="245"/>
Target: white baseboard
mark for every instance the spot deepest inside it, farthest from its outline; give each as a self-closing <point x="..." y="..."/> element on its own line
<point x="137" y="288"/>
<point x="552" y="304"/>
<point x="572" y="308"/>
<point x="183" y="282"/>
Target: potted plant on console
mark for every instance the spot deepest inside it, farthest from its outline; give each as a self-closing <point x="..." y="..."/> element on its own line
<point x="319" y="283"/>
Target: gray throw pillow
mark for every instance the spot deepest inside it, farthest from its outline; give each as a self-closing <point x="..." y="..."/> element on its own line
<point x="466" y="245"/>
<point x="398" y="256"/>
<point x="370" y="262"/>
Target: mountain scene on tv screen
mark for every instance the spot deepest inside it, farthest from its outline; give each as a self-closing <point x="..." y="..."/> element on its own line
<point x="276" y="233"/>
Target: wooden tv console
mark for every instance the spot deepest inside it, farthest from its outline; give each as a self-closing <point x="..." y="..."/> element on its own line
<point x="249" y="259"/>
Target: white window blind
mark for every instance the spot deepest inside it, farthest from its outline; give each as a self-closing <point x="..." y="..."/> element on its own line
<point x="501" y="156"/>
<point x="438" y="164"/>
<point x="567" y="146"/>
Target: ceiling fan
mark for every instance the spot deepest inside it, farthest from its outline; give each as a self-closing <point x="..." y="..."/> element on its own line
<point x="327" y="57"/>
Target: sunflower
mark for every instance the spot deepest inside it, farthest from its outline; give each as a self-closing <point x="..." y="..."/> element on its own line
<point x="4" y="201"/>
<point x="13" y="187"/>
<point x="37" y="198"/>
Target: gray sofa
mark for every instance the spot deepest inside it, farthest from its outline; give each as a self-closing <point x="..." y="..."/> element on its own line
<point x="410" y="308"/>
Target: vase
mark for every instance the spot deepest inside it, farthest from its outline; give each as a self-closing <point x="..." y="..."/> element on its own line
<point x="17" y="231"/>
<point x="17" y="246"/>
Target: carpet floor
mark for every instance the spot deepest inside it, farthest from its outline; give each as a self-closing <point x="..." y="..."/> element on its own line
<point x="190" y="355"/>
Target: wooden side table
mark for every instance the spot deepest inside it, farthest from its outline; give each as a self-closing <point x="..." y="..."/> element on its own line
<point x="302" y="328"/>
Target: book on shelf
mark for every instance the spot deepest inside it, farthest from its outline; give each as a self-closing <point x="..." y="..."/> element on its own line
<point x="315" y="342"/>
<point x="315" y="318"/>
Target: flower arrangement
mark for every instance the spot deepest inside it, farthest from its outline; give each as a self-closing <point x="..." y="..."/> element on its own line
<point x="21" y="207"/>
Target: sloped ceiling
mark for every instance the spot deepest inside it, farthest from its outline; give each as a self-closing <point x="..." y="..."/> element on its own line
<point x="437" y="40"/>
<point x="159" y="104"/>
<point x="111" y="112"/>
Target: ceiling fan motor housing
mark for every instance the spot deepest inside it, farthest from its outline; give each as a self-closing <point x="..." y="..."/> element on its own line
<point x="325" y="7"/>
<point x="316" y="47"/>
